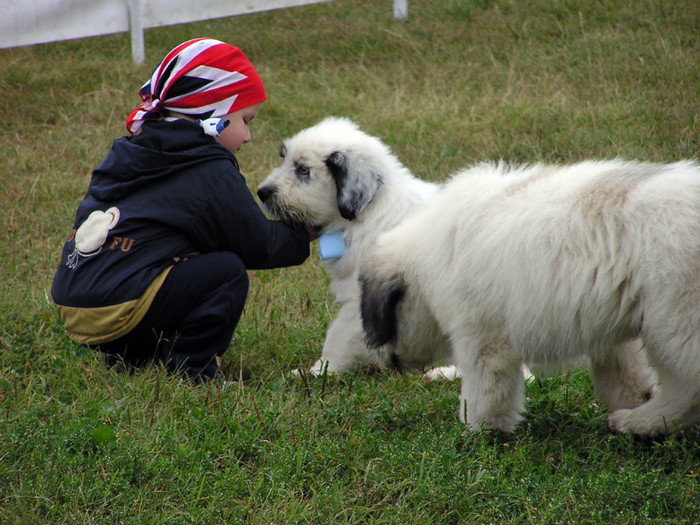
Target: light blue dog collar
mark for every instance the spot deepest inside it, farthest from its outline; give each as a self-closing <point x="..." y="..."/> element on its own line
<point x="331" y="245"/>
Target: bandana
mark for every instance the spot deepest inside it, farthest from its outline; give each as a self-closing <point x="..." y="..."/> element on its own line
<point x="202" y="78"/>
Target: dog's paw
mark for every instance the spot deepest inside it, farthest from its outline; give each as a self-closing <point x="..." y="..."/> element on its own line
<point x="311" y="372"/>
<point x="320" y="367"/>
<point x="502" y="426"/>
<point x="619" y="421"/>
<point x="442" y="373"/>
<point x="637" y="422"/>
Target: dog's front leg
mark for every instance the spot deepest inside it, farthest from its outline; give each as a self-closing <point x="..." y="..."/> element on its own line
<point x="344" y="348"/>
<point x="675" y="401"/>
<point x="622" y="378"/>
<point x="492" y="385"/>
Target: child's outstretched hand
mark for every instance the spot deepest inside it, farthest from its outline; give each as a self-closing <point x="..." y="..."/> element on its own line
<point x="314" y="232"/>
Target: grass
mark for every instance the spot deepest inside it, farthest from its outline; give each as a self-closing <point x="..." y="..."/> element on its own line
<point x="460" y="81"/>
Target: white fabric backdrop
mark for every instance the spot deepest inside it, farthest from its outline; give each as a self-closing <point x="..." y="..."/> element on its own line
<point x="24" y="22"/>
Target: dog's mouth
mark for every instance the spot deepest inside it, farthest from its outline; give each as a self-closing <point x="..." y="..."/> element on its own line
<point x="296" y="220"/>
<point x="299" y="221"/>
<point x="289" y="216"/>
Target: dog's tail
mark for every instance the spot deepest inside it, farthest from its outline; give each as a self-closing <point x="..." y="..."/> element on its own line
<point x="378" y="303"/>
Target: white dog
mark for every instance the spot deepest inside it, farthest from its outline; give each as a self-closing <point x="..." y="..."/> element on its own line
<point x="547" y="264"/>
<point x="335" y="177"/>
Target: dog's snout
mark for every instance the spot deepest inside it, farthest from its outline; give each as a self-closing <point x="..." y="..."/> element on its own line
<point x="265" y="192"/>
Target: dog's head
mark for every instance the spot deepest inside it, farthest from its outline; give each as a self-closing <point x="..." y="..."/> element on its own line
<point x="329" y="173"/>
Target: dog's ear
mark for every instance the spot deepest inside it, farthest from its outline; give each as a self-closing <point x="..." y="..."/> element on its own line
<point x="378" y="309"/>
<point x="356" y="183"/>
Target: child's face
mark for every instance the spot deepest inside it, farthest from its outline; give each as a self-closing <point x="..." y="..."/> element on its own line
<point x="237" y="132"/>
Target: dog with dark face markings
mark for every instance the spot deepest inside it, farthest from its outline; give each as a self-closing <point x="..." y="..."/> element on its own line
<point x="334" y="177"/>
<point x="547" y="264"/>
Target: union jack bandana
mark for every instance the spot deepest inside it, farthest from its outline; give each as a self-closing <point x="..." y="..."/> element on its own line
<point x="202" y="78"/>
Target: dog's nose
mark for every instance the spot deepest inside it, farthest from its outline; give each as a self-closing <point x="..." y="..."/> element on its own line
<point x="265" y="192"/>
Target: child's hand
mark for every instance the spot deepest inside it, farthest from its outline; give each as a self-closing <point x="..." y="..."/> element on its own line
<point x="314" y="232"/>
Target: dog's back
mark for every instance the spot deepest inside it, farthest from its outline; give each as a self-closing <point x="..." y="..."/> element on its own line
<point x="555" y="262"/>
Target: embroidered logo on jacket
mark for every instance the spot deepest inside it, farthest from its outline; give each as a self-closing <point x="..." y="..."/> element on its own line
<point x="92" y="234"/>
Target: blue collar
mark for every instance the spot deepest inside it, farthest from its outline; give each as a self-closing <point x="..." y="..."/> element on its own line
<point x="331" y="245"/>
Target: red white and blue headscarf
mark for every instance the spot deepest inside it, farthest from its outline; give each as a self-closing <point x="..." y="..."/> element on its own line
<point x="202" y="78"/>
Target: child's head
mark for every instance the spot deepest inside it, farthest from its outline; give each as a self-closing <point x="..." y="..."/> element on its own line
<point x="202" y="79"/>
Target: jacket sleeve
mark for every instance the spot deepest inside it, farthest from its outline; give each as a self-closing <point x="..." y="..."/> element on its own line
<point x="231" y="220"/>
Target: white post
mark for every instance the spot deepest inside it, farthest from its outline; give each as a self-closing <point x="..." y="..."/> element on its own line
<point x="401" y="9"/>
<point x="138" y="49"/>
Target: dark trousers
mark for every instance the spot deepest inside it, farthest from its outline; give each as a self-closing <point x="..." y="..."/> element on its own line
<point x="192" y="318"/>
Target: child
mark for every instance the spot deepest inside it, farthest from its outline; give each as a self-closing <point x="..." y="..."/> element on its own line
<point x="155" y="266"/>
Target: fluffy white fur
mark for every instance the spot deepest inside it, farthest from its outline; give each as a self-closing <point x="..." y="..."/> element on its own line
<point x="550" y="264"/>
<point x="334" y="176"/>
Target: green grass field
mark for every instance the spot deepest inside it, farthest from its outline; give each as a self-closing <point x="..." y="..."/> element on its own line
<point x="460" y="81"/>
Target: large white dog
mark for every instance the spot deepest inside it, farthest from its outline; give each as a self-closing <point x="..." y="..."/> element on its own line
<point x="546" y="264"/>
<point x="335" y="177"/>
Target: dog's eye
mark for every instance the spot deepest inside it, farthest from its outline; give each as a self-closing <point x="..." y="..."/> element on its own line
<point x="283" y="151"/>
<point x="302" y="172"/>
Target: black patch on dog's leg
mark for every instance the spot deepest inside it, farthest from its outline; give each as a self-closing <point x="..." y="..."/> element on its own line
<point x="396" y="364"/>
<point x="378" y="308"/>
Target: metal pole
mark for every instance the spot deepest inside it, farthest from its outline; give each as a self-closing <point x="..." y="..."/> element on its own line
<point x="138" y="50"/>
<point x="401" y="9"/>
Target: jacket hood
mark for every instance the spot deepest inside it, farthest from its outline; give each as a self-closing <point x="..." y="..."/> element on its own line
<point x="160" y="150"/>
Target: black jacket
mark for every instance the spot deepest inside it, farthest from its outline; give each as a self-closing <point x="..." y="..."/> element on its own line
<point x="177" y="192"/>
